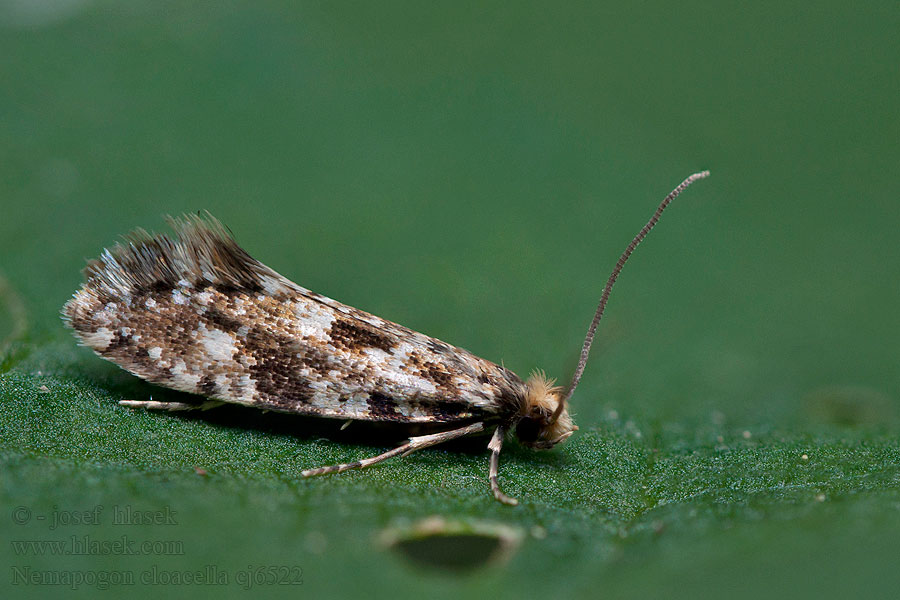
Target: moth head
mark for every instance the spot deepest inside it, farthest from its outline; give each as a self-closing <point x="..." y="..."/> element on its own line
<point x="539" y="425"/>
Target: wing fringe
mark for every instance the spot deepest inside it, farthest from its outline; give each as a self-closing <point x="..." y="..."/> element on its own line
<point x="201" y="253"/>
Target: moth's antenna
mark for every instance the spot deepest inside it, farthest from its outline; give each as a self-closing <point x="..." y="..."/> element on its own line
<point x="604" y="297"/>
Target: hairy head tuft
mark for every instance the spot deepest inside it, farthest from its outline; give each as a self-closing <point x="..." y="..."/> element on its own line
<point x="536" y="427"/>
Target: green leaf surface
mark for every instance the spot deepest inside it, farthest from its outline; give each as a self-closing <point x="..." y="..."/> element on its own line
<point x="471" y="171"/>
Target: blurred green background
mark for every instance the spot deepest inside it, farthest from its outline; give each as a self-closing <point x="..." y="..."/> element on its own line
<point x="472" y="170"/>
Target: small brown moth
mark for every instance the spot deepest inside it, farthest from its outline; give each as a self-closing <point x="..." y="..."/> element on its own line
<point x="196" y="313"/>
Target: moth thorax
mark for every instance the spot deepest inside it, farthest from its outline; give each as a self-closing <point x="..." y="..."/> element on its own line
<point x="534" y="427"/>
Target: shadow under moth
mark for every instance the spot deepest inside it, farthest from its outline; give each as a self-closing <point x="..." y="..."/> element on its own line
<point x="197" y="314"/>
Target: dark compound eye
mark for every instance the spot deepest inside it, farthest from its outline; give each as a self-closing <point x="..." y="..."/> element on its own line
<point x="527" y="430"/>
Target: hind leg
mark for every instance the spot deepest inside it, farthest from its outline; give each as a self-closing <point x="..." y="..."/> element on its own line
<point x="170" y="406"/>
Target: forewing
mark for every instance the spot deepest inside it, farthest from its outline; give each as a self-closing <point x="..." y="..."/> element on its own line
<point x="249" y="336"/>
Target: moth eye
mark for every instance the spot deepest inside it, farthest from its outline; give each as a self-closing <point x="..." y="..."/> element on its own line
<point x="528" y="430"/>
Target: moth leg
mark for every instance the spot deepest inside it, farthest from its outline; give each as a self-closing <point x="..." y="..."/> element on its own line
<point x="414" y="443"/>
<point x="170" y="406"/>
<point x="494" y="446"/>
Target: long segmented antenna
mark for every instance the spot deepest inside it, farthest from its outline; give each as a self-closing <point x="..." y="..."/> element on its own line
<point x="604" y="297"/>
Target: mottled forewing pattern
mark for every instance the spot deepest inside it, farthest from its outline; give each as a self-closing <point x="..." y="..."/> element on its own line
<point x="196" y="313"/>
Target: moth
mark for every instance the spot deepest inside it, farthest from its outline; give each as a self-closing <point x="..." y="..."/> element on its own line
<point x="196" y="313"/>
